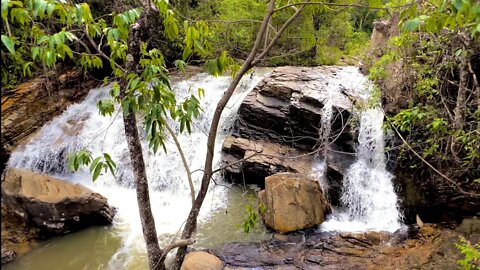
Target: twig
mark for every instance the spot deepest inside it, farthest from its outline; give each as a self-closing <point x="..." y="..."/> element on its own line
<point x="457" y="186"/>
<point x="184" y="161"/>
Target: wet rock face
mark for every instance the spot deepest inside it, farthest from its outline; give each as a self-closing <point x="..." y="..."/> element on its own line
<point x="292" y="202"/>
<point x="429" y="248"/>
<point x="277" y="128"/>
<point x="54" y="206"/>
<point x="31" y="105"/>
<point x="286" y="107"/>
<point x="262" y="158"/>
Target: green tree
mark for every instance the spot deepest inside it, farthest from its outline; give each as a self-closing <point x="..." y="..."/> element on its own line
<point x="41" y="33"/>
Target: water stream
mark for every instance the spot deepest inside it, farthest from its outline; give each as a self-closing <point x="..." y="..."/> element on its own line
<point x="368" y="196"/>
<point x="82" y="126"/>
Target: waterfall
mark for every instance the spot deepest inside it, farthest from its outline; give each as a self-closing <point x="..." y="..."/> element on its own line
<point x="368" y="196"/>
<point x="81" y="126"/>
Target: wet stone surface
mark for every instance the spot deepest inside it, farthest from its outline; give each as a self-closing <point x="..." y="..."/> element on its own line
<point x="427" y="248"/>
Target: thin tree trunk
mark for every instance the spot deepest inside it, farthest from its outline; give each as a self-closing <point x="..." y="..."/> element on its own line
<point x="191" y="224"/>
<point x="459" y="111"/>
<point x="155" y="258"/>
<point x="154" y="252"/>
<point x="460" y="107"/>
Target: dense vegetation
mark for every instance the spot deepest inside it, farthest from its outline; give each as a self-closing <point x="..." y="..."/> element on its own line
<point x="430" y="73"/>
<point x="435" y="56"/>
<point x="320" y="35"/>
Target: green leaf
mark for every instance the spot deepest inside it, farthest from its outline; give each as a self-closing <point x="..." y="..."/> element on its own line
<point x="97" y="171"/>
<point x="94" y="163"/>
<point x="412" y="25"/>
<point x="50" y="9"/>
<point x="458" y="4"/>
<point x="9" y="44"/>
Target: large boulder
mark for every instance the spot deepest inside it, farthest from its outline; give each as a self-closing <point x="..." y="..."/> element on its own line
<point x="292" y="202"/>
<point x="199" y="260"/>
<point x="286" y="107"/>
<point x="56" y="207"/>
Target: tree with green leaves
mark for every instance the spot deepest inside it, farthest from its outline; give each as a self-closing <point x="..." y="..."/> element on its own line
<point x="39" y="34"/>
<point x="434" y="54"/>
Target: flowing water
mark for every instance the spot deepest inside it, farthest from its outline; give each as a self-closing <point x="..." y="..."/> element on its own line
<point x="368" y="196"/>
<point x="81" y="126"/>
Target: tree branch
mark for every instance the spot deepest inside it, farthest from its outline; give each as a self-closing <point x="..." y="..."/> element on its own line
<point x="277" y="35"/>
<point x="184" y="161"/>
<point x="177" y="244"/>
<point x="455" y="184"/>
<point x="331" y="5"/>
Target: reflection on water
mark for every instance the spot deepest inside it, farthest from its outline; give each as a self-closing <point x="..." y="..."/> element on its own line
<point x="91" y="248"/>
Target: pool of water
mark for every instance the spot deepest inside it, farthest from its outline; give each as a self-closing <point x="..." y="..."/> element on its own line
<point x="98" y="247"/>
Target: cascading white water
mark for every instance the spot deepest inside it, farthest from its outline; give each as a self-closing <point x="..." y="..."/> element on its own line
<point x="81" y="126"/>
<point x="368" y="196"/>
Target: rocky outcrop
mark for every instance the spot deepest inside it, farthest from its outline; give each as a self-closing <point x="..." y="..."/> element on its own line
<point x="17" y="237"/>
<point x="260" y="159"/>
<point x="429" y="248"/>
<point x="292" y="202"/>
<point x="199" y="260"/>
<point x="31" y="104"/>
<point x="286" y="107"/>
<point x="54" y="206"/>
<point x="278" y="125"/>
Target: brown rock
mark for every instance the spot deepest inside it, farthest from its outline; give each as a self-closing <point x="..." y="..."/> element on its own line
<point x="287" y="106"/>
<point x="262" y="159"/>
<point x="54" y="206"/>
<point x="30" y="105"/>
<point x="469" y="226"/>
<point x="293" y="202"/>
<point x="199" y="260"/>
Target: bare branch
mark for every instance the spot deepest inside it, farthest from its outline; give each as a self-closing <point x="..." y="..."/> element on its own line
<point x="331" y="5"/>
<point x="455" y="184"/>
<point x="184" y="161"/>
<point x="177" y="244"/>
<point x="277" y="35"/>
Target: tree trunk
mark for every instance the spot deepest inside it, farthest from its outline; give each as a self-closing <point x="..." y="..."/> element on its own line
<point x="143" y="197"/>
<point x="136" y="36"/>
<point x="191" y="224"/>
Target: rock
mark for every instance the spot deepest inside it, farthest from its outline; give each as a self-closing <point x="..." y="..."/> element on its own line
<point x="287" y="107"/>
<point x="8" y="255"/>
<point x="292" y="202"/>
<point x="17" y="236"/>
<point x="199" y="260"/>
<point x="336" y="251"/>
<point x="30" y="105"/>
<point x="469" y="226"/>
<point x="54" y="206"/>
<point x="262" y="159"/>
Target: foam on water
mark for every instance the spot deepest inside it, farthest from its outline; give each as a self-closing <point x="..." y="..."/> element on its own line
<point x="368" y="196"/>
<point x="81" y="126"/>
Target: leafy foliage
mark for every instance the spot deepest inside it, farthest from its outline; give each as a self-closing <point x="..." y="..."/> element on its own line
<point x="321" y="35"/>
<point x="437" y="45"/>
<point x="32" y="41"/>
<point x="471" y="253"/>
<point x="84" y="157"/>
